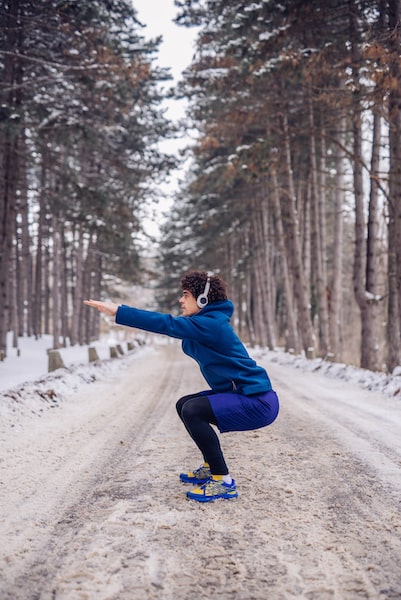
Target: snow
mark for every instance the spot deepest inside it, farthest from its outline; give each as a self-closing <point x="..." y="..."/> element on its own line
<point x="27" y="388"/>
<point x="213" y="73"/>
<point x="92" y="506"/>
<point x="389" y="385"/>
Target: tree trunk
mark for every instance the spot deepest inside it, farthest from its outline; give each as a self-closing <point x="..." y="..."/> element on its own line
<point x="24" y="285"/>
<point x="370" y="355"/>
<point x="64" y="297"/>
<point x="259" y="323"/>
<point x="292" y="338"/>
<point x="394" y="219"/>
<point x="13" y="298"/>
<point x="56" y="277"/>
<point x="335" y="290"/>
<point x="97" y="288"/>
<point x="369" y="350"/>
<point x="268" y="297"/>
<point x="318" y="242"/>
<point x="264" y="323"/>
<point x="294" y="248"/>
<point x="78" y="294"/>
<point x="37" y="309"/>
<point x="9" y="154"/>
<point x="46" y="289"/>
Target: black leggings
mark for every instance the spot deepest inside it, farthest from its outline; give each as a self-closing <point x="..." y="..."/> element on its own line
<point x="196" y="413"/>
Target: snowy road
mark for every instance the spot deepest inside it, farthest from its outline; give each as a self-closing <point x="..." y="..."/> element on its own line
<point x="91" y="506"/>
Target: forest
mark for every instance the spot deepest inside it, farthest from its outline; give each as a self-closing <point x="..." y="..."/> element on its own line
<point x="293" y="193"/>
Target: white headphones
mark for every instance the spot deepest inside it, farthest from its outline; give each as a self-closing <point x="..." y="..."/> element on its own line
<point x="202" y="299"/>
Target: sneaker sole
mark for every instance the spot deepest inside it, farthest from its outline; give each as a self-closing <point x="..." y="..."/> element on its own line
<point x="199" y="498"/>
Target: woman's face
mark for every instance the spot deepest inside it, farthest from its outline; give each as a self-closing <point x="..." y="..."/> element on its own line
<point x="188" y="304"/>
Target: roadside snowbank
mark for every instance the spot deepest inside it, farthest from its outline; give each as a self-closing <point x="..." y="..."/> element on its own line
<point x="26" y="388"/>
<point x="390" y="385"/>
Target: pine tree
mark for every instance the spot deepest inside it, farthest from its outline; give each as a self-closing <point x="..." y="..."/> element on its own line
<point x="277" y="102"/>
<point x="81" y="100"/>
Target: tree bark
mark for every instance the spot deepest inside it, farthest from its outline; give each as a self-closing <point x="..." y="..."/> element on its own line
<point x="318" y="241"/>
<point x="264" y="323"/>
<point x="394" y="218"/>
<point x="294" y="248"/>
<point x="335" y="290"/>
<point x="9" y="154"/>
<point x="77" y="276"/>
<point x="374" y="293"/>
<point x="24" y="258"/>
<point x="369" y="349"/>
<point x="56" y="278"/>
<point x="292" y="339"/>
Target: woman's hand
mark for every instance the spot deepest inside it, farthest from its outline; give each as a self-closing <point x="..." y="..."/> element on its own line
<point x="108" y="308"/>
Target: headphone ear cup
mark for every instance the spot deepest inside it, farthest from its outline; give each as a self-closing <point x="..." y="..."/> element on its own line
<point x="202" y="300"/>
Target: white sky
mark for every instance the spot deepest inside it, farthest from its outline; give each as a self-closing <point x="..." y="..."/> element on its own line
<point x="176" y="49"/>
<point x="175" y="52"/>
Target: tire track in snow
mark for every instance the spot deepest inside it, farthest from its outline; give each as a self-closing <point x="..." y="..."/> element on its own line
<point x="317" y="517"/>
<point x="87" y="476"/>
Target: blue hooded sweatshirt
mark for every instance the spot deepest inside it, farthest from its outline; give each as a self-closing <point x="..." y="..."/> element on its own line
<point x="209" y="338"/>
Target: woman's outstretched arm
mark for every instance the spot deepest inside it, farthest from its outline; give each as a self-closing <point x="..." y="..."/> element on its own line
<point x="108" y="308"/>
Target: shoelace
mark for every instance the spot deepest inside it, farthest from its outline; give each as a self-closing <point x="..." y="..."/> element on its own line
<point x="213" y="486"/>
<point x="202" y="472"/>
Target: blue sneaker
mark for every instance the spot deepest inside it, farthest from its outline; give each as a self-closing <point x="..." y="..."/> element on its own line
<point x="214" y="490"/>
<point x="198" y="476"/>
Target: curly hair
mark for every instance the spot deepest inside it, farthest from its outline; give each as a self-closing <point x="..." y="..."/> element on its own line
<point x="195" y="281"/>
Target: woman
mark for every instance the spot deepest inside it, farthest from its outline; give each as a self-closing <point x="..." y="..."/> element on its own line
<point x="240" y="396"/>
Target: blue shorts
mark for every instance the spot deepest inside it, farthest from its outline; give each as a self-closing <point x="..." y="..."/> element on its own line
<point x="236" y="412"/>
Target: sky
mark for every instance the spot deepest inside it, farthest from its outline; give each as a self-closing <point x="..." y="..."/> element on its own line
<point x="177" y="48"/>
<point x="175" y="52"/>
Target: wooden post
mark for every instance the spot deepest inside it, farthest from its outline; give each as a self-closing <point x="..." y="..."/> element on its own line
<point x="55" y="361"/>
<point x="113" y="352"/>
<point x="93" y="355"/>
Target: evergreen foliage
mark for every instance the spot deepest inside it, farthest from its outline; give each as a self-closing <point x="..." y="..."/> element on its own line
<point x="79" y="126"/>
<point x="295" y="102"/>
